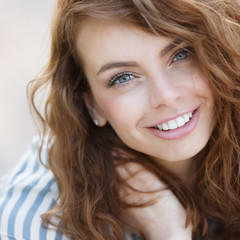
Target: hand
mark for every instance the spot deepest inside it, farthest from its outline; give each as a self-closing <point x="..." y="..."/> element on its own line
<point x="165" y="218"/>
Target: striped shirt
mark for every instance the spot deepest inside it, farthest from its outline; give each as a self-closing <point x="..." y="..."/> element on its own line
<point x="27" y="192"/>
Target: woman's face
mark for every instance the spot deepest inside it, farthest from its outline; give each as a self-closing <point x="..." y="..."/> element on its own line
<point x="148" y="88"/>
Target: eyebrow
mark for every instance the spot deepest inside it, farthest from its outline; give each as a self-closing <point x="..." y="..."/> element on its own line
<point x="113" y="65"/>
<point x="170" y="46"/>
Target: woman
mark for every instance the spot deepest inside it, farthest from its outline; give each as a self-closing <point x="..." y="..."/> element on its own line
<point x="142" y="123"/>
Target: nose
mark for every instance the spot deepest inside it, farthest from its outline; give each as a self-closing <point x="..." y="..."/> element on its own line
<point x="164" y="91"/>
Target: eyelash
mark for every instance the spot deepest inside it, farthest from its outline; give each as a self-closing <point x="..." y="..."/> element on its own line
<point x="118" y="76"/>
<point x="188" y="50"/>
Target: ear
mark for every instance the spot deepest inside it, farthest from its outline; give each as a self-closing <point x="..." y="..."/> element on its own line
<point x="94" y="110"/>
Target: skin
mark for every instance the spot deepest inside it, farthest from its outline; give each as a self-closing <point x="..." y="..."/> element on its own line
<point x="158" y="85"/>
<point x="163" y="220"/>
<point x="159" y="89"/>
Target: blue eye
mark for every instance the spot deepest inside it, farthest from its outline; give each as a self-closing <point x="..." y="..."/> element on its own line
<point x="121" y="78"/>
<point x="181" y="55"/>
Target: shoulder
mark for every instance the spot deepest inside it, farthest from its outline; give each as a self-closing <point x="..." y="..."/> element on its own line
<point x="26" y="193"/>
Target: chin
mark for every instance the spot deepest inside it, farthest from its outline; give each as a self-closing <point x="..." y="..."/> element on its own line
<point x="182" y="154"/>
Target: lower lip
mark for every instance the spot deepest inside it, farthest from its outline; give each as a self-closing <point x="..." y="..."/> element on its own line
<point x="180" y="131"/>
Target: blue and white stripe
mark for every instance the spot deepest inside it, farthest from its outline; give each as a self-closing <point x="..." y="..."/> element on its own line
<point x="26" y="193"/>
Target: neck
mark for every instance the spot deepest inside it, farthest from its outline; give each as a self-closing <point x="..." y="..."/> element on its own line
<point x="184" y="169"/>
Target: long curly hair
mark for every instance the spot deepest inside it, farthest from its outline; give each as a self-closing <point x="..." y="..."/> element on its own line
<point x="81" y="154"/>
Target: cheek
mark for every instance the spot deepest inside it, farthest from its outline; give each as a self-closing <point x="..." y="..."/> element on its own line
<point x="204" y="92"/>
<point x="202" y="87"/>
<point x="122" y="110"/>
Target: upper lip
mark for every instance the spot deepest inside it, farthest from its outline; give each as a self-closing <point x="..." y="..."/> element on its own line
<point x="173" y="117"/>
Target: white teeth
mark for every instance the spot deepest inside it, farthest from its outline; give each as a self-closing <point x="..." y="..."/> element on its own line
<point x="172" y="124"/>
<point x="186" y="118"/>
<point x="175" y="123"/>
<point x="165" y="126"/>
<point x="180" y="121"/>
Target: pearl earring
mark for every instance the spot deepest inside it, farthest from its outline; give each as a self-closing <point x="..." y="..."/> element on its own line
<point x="96" y="122"/>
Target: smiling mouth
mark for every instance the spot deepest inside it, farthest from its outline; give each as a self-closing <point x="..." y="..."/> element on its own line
<point x="175" y="123"/>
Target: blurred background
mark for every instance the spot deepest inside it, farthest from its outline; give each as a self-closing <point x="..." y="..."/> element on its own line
<point x="24" y="50"/>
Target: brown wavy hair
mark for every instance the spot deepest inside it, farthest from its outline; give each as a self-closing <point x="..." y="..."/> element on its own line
<point x="81" y="156"/>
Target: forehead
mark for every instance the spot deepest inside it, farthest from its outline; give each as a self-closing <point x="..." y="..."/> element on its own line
<point x="101" y="41"/>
